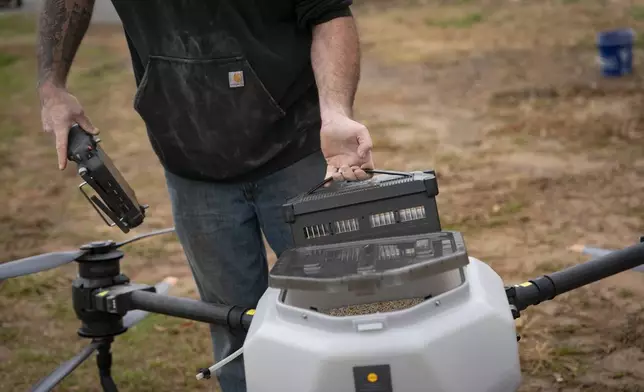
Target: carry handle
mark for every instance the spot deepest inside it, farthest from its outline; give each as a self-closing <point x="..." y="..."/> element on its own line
<point x="368" y="171"/>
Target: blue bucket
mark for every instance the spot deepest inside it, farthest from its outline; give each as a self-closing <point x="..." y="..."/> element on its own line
<point x="616" y="52"/>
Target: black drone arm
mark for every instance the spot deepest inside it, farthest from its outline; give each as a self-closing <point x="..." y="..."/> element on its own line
<point x="234" y="317"/>
<point x="546" y="287"/>
<point x="124" y="298"/>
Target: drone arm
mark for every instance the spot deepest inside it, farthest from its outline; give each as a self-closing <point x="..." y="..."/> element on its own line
<point x="232" y="316"/>
<point x="547" y="287"/>
<point x="48" y="383"/>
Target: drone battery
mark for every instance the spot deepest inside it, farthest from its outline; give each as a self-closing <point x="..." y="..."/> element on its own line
<point x="388" y="204"/>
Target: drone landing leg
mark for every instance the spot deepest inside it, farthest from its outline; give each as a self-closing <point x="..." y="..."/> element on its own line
<point x="104" y="363"/>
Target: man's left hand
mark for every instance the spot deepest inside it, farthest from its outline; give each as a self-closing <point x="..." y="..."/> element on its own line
<point x="346" y="145"/>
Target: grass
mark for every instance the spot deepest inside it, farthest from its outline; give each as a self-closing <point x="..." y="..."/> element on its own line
<point x="41" y="284"/>
<point x="12" y="25"/>
<point x="462" y="22"/>
<point x="625" y="293"/>
<point x="486" y="216"/>
<point x="13" y="78"/>
<point x="549" y="267"/>
<point x="567" y="351"/>
<point x="637" y="12"/>
<point x="9" y="132"/>
<point x="443" y="32"/>
<point x="7" y="59"/>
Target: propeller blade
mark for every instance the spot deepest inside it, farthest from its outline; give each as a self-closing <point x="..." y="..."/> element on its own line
<point x="598" y="252"/>
<point x="146" y="235"/>
<point x="134" y="316"/>
<point x="38" y="263"/>
<point x="55" y="377"/>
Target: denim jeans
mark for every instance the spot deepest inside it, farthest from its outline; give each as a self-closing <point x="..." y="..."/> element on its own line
<point x="219" y="226"/>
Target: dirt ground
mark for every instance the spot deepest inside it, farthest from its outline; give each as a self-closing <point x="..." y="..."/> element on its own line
<point x="534" y="150"/>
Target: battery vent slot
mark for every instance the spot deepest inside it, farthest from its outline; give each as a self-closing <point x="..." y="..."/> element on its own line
<point x="346" y="226"/>
<point x="382" y="219"/>
<point x="412" y="214"/>
<point x="317" y="231"/>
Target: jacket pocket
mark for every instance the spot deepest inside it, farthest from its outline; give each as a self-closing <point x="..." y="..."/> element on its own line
<point x="210" y="117"/>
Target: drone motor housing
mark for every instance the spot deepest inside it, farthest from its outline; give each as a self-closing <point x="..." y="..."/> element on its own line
<point x="117" y="199"/>
<point x="393" y="314"/>
<point x="388" y="204"/>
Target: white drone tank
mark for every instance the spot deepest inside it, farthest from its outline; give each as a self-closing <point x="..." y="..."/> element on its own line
<point x="403" y="314"/>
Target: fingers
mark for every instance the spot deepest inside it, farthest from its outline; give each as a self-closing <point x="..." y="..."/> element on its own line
<point x="330" y="169"/>
<point x="86" y="124"/>
<point x="348" y="161"/>
<point x="369" y="165"/>
<point x="337" y="176"/>
<point x="59" y="111"/>
<point x="61" y="130"/>
<point x="332" y="172"/>
<point x="365" y="144"/>
<point x="360" y="174"/>
<point x="344" y="173"/>
<point x="347" y="173"/>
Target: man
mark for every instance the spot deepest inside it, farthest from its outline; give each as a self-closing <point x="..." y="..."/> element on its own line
<point x="246" y="104"/>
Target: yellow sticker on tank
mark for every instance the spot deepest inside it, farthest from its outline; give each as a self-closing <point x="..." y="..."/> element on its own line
<point x="250" y="312"/>
<point x="525" y="284"/>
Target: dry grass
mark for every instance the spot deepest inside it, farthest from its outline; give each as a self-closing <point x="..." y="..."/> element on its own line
<point x="534" y="152"/>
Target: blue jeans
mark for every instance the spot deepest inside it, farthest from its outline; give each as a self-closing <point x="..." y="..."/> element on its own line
<point x="220" y="229"/>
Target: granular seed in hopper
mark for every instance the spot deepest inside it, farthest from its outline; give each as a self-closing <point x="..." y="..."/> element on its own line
<point x="374" y="307"/>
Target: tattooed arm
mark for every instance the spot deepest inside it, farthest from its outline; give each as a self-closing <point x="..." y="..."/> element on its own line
<point x="62" y="26"/>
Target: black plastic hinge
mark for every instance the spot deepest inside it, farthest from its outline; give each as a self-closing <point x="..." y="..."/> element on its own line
<point x="289" y="213"/>
<point x="431" y="185"/>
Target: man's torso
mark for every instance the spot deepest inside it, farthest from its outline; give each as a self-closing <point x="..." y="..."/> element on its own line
<point x="225" y="87"/>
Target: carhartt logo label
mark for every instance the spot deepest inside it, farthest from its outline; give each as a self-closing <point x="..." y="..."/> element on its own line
<point x="236" y="79"/>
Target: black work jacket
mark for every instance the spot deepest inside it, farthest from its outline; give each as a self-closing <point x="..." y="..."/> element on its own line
<point x="226" y="87"/>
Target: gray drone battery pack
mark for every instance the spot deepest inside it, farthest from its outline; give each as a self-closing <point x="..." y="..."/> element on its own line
<point x="392" y="204"/>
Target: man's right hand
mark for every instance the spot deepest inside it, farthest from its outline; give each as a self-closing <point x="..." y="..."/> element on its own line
<point x="59" y="111"/>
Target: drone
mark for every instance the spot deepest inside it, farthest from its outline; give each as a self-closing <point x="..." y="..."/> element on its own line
<point x="374" y="296"/>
